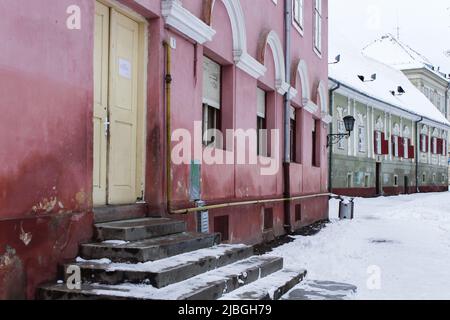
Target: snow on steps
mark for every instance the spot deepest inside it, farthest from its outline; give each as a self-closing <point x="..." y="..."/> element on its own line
<point x="138" y="229"/>
<point x="207" y="286"/>
<point x="272" y="287"/>
<point x="148" y="249"/>
<point x="163" y="272"/>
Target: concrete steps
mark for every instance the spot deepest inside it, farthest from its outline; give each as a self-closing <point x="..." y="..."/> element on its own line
<point x="117" y="213"/>
<point x="163" y="272"/>
<point x="138" y="229"/>
<point x="142" y="258"/>
<point x="272" y="287"/>
<point x="148" y="249"/>
<point x="208" y="286"/>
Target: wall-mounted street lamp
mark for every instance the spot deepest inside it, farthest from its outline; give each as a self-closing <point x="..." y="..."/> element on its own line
<point x="336" y="60"/>
<point x="372" y="78"/>
<point x="400" y="91"/>
<point x="349" y="123"/>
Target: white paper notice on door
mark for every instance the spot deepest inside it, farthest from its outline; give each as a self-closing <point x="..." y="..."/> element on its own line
<point x="125" y="68"/>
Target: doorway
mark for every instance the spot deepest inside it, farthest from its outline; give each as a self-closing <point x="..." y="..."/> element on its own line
<point x="378" y="179"/>
<point x="406" y="185"/>
<point x="118" y="118"/>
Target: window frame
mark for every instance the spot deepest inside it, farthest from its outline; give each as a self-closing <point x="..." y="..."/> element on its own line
<point x="208" y="108"/>
<point x="318" y="20"/>
<point x="298" y="14"/>
<point x="261" y="129"/>
<point x="361" y="139"/>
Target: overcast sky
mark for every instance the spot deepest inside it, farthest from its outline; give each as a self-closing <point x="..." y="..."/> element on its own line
<point x="424" y="24"/>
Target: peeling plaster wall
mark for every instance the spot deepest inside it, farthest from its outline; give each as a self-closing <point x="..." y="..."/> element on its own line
<point x="45" y="137"/>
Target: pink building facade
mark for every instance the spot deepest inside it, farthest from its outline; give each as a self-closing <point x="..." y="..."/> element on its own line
<point x="47" y="93"/>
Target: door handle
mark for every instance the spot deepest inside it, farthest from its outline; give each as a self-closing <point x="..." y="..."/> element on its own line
<point x="106" y="126"/>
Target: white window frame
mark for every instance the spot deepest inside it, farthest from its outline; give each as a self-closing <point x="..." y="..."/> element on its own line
<point x="396" y="154"/>
<point x="405" y="148"/>
<point x="434" y="145"/>
<point x="341" y="130"/>
<point x="211" y="101"/>
<point x="298" y="14"/>
<point x="424" y="143"/>
<point x="318" y="26"/>
<point x="362" y="139"/>
<point x="395" y="180"/>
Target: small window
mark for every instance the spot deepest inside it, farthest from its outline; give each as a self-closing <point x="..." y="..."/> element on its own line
<point x="212" y="82"/>
<point x="298" y="13"/>
<point x="268" y="218"/>
<point x="318" y="25"/>
<point x="395" y="181"/>
<point x="298" y="212"/>
<point x="293" y="134"/>
<point x="350" y="180"/>
<point x="434" y="177"/>
<point x="367" y="181"/>
<point x="261" y="122"/>
<point x="424" y="178"/>
<point x="221" y="226"/>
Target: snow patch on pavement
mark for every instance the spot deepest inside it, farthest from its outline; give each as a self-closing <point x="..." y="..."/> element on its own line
<point x="405" y="238"/>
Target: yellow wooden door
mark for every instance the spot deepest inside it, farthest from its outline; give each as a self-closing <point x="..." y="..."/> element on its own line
<point x="101" y="75"/>
<point x="123" y="101"/>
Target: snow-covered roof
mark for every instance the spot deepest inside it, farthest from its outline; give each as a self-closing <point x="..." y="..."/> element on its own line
<point x="354" y="63"/>
<point x="393" y="52"/>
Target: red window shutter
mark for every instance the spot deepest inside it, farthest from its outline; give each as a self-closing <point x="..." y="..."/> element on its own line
<point x="421" y="142"/>
<point x="410" y="150"/>
<point x="439" y="146"/>
<point x="384" y="144"/>
<point x="401" y="147"/>
<point x="427" y="149"/>
<point x="375" y="144"/>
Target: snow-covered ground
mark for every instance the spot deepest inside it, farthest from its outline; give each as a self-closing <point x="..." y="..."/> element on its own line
<point x="395" y="248"/>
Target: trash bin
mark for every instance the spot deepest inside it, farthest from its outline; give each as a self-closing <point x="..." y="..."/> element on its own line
<point x="346" y="208"/>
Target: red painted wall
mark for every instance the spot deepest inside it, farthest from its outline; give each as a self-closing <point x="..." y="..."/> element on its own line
<point x="231" y="183"/>
<point x="46" y="102"/>
<point x="45" y="132"/>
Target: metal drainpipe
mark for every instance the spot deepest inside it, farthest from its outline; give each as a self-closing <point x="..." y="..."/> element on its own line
<point x="417" y="153"/>
<point x="168" y="87"/>
<point x="287" y="119"/>
<point x="330" y="157"/>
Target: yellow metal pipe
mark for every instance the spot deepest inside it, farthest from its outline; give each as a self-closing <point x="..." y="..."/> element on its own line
<point x="246" y="203"/>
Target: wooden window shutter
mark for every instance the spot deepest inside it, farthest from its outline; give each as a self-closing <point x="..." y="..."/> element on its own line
<point x="410" y="150"/>
<point x="401" y="146"/>
<point x="384" y="144"/>
<point x="375" y="144"/>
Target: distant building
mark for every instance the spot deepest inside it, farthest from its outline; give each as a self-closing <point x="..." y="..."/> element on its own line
<point x="399" y="144"/>
<point x="425" y="75"/>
